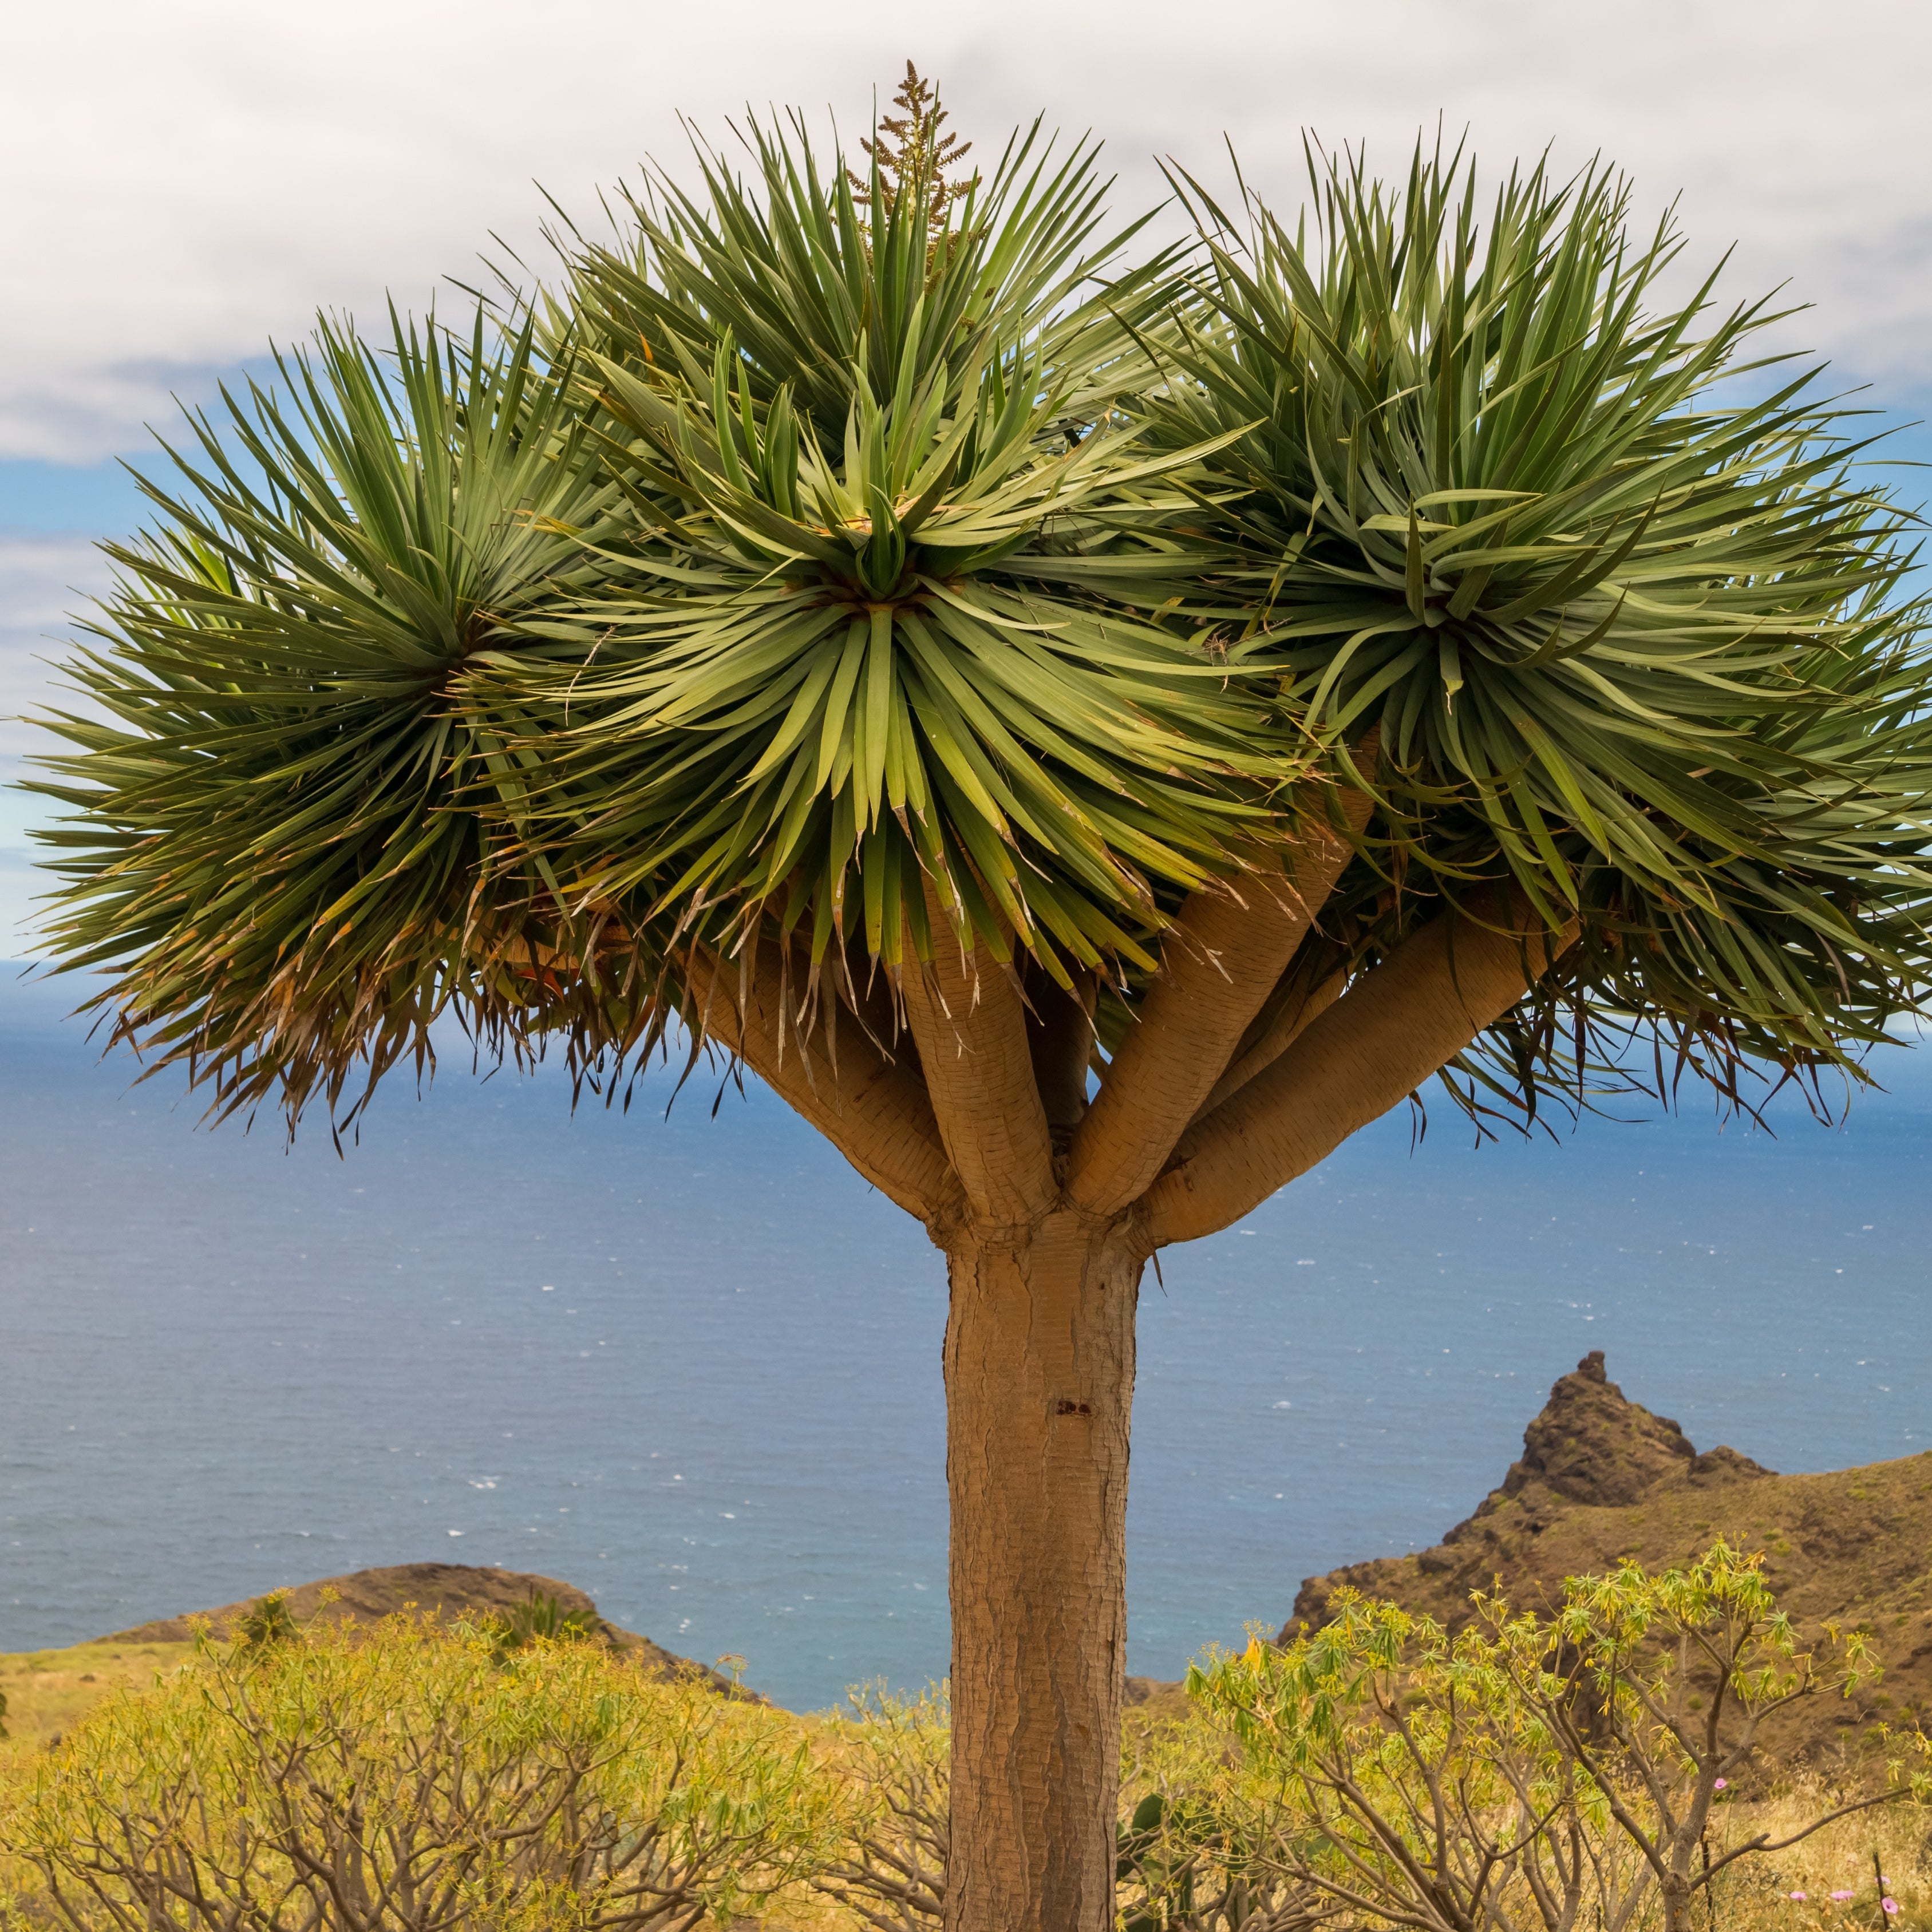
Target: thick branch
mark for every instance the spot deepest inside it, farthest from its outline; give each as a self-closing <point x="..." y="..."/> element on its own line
<point x="1219" y="962"/>
<point x="1395" y="1027"/>
<point x="1296" y="1017"/>
<point x="970" y="1025"/>
<point x="873" y="1110"/>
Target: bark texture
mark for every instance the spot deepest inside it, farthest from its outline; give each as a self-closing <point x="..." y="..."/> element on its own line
<point x="1039" y="1372"/>
<point x="970" y="1025"/>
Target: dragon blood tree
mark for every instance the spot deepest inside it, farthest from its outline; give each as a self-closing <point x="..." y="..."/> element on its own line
<point x="1089" y="731"/>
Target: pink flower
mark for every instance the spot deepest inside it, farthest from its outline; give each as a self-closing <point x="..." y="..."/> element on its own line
<point x="1840" y="1897"/>
<point x="1722" y="1784"/>
<point x="1890" y="1904"/>
<point x="1799" y="1896"/>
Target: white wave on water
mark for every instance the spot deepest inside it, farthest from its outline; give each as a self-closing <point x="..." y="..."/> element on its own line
<point x="692" y="1365"/>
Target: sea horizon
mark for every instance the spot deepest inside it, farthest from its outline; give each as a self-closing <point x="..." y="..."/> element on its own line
<point x="690" y="1363"/>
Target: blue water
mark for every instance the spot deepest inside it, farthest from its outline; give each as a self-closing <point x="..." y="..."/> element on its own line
<point x="692" y="1364"/>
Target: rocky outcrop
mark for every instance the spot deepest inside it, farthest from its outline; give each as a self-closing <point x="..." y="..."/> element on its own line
<point x="1601" y="1478"/>
<point x="1590" y="1447"/>
<point x="1591" y="1444"/>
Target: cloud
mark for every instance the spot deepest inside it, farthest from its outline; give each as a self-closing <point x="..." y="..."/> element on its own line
<point x="184" y="182"/>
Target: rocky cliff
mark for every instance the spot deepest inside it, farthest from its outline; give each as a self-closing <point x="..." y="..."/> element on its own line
<point x="1601" y="1478"/>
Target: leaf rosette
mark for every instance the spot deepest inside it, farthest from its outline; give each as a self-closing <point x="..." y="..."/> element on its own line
<point x="819" y="677"/>
<point x="1601" y="580"/>
<point x="288" y="838"/>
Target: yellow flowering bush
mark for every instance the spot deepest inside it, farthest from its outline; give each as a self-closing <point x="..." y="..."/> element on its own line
<point x="409" y="1778"/>
<point x="1532" y="1772"/>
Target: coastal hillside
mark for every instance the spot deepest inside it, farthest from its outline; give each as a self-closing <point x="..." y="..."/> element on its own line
<point x="447" y="1591"/>
<point x="1601" y="1479"/>
<point x="46" y="1691"/>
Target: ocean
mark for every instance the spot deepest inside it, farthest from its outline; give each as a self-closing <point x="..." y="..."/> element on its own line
<point x="691" y="1363"/>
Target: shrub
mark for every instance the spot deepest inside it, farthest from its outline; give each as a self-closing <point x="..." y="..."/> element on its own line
<point x="414" y="1779"/>
<point x="1555" y="1773"/>
<point x="268" y="1620"/>
<point x="540" y="1618"/>
<point x="894" y="1754"/>
<point x="1197" y="1850"/>
<point x="1580" y="1772"/>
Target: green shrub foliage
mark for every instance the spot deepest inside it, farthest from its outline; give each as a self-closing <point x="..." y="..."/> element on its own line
<point x="1599" y="1766"/>
<point x="411" y="1779"/>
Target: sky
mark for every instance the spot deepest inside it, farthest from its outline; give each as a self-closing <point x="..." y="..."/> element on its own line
<point x="188" y="181"/>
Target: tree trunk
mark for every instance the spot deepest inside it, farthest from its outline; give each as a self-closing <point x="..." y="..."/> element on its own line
<point x="1676" y="1890"/>
<point x="1039" y="1372"/>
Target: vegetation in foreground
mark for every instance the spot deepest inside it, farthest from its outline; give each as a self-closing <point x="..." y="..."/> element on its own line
<point x="410" y="1777"/>
<point x="1598" y="1768"/>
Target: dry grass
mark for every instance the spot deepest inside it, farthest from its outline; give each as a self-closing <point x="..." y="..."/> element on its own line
<point x="1756" y="1895"/>
<point x="49" y="1691"/>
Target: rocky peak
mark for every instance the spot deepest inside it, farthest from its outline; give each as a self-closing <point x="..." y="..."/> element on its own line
<point x="1602" y="1481"/>
<point x="1588" y="1448"/>
<point x="1591" y="1444"/>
